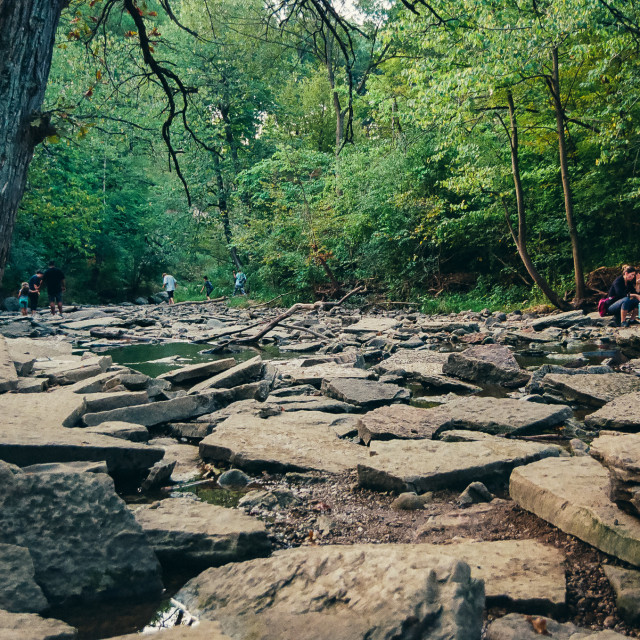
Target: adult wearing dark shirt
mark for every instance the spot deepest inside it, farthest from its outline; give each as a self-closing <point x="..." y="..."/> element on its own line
<point x="34" y="290"/>
<point x="53" y="279"/>
<point x="625" y="300"/>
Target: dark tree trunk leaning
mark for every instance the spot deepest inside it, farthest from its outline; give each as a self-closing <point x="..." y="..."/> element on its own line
<point x="520" y="238"/>
<point x="27" y="34"/>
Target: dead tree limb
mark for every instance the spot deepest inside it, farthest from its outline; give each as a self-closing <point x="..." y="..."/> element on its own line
<point x="316" y="306"/>
<point x="299" y="328"/>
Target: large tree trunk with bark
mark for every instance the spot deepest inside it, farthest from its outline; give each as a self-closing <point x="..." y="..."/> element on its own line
<point x="224" y="211"/>
<point x="27" y="34"/>
<point x="521" y="237"/>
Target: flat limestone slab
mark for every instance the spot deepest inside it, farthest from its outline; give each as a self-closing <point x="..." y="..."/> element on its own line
<point x="626" y="584"/>
<point x="372" y="325"/>
<point x="241" y="373"/>
<point x="8" y="375"/>
<point x="525" y="573"/>
<point x="353" y="592"/>
<point x="425" y="366"/>
<point x="399" y="421"/>
<point x="195" y="371"/>
<point x="621" y="414"/>
<point x="289" y="442"/>
<point x="38" y="348"/>
<point x="32" y="433"/>
<point x="572" y="494"/>
<point x="365" y="393"/>
<point x="592" y="389"/>
<point x="489" y="415"/>
<point x="29" y="626"/>
<point x="425" y="465"/>
<point x="183" y="531"/>
<point x="295" y="374"/>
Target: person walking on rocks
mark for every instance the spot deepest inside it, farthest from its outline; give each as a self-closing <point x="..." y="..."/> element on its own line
<point x="169" y="283"/>
<point x="624" y="299"/>
<point x="23" y="298"/>
<point x="241" y="280"/>
<point x="54" y="280"/>
<point x="34" y="290"/>
<point x="207" y="286"/>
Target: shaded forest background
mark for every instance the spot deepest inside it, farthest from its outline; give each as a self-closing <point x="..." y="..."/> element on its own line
<point x="430" y="158"/>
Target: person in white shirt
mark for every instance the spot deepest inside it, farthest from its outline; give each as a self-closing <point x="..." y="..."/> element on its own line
<point x="169" y="283"/>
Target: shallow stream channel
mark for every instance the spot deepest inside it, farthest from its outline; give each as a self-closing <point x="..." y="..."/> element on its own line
<point x="331" y="504"/>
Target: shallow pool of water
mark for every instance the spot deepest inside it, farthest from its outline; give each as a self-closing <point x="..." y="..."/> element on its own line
<point x="155" y="359"/>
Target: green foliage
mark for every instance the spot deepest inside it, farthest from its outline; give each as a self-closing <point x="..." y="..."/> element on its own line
<point x="419" y="196"/>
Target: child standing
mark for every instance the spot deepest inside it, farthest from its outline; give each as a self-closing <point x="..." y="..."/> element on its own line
<point x="23" y="298"/>
<point x="207" y="286"/>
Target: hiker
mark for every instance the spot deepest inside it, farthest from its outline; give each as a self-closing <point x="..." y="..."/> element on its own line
<point x="34" y="290"/>
<point x="23" y="298"/>
<point x="170" y="284"/>
<point x="207" y="286"/>
<point x="54" y="280"/>
<point x="624" y="300"/>
<point x="241" y="279"/>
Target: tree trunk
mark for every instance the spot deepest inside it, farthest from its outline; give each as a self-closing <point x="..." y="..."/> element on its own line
<point x="564" y="172"/>
<point x="224" y="211"/>
<point x="521" y="238"/>
<point x="27" y="34"/>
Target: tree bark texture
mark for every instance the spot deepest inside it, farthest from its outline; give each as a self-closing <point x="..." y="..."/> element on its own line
<point x="224" y="212"/>
<point x="27" y="35"/>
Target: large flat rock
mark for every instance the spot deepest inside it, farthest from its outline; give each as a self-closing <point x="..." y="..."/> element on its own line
<point x="354" y="592"/>
<point x="561" y="320"/>
<point x="8" y="375"/>
<point x="288" y="442"/>
<point x="489" y="415"/>
<point x="196" y="371"/>
<point x="185" y="532"/>
<point x="522" y="573"/>
<point x="399" y="421"/>
<point x="33" y="432"/>
<point x="486" y="364"/>
<point x="29" y="626"/>
<point x="366" y="394"/>
<point x="591" y="389"/>
<point x="372" y="325"/>
<point x="573" y="495"/>
<point x="620" y="454"/>
<point x="38" y="348"/>
<point x="241" y="373"/>
<point x="620" y="414"/>
<point x="84" y="541"/>
<point x="19" y="592"/>
<point x="294" y="373"/>
<point x="424" y="366"/>
<point x="425" y="465"/>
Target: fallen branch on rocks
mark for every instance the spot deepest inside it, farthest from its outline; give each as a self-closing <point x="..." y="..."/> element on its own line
<point x="301" y="328"/>
<point x="268" y="302"/>
<point x="188" y="302"/>
<point x="316" y="306"/>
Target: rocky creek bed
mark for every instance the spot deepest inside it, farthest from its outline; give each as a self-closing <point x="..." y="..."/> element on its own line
<point x="344" y="475"/>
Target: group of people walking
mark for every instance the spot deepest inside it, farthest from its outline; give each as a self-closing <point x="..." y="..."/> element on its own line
<point x="169" y="284"/>
<point x="53" y="279"/>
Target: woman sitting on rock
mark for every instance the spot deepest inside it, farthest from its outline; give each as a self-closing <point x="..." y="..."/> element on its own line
<point x="624" y="299"/>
